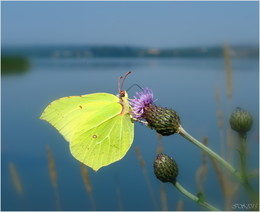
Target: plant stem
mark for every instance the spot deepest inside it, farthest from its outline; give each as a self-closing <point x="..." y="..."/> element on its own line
<point x="221" y="160"/>
<point x="243" y="170"/>
<point x="242" y="153"/>
<point x="193" y="197"/>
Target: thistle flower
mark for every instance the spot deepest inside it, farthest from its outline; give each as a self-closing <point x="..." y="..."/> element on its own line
<point x="165" y="121"/>
<point x="139" y="103"/>
<point x="165" y="168"/>
<point x="241" y="121"/>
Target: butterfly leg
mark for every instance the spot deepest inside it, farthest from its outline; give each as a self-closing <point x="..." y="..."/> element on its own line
<point x="143" y="122"/>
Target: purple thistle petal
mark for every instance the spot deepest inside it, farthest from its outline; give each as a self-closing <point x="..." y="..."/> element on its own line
<point x="142" y="100"/>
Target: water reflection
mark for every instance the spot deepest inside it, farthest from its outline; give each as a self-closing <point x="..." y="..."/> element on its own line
<point x="187" y="85"/>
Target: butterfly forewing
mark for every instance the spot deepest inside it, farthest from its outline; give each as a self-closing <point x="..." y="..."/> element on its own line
<point x="70" y="114"/>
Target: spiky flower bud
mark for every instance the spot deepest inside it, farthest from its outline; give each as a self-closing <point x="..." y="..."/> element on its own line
<point x="165" y="121"/>
<point x="241" y="121"/>
<point x="165" y="168"/>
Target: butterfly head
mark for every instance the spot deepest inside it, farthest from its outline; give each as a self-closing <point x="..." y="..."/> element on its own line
<point x="122" y="93"/>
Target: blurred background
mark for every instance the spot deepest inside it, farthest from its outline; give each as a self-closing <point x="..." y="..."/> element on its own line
<point x="199" y="58"/>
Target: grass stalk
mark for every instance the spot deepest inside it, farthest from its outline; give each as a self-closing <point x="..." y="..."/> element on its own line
<point x="147" y="180"/>
<point x="159" y="146"/>
<point x="15" y="179"/>
<point x="226" y="185"/>
<point x="201" y="174"/>
<point x="163" y="198"/>
<point x="220" y="122"/>
<point x="87" y="184"/>
<point x="179" y="205"/>
<point x="228" y="68"/>
<point x="53" y="176"/>
<point x="229" y="93"/>
<point x="17" y="183"/>
<point x="118" y="195"/>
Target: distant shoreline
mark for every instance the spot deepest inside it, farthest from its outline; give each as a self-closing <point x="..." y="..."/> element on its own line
<point x="14" y="64"/>
<point x="84" y="51"/>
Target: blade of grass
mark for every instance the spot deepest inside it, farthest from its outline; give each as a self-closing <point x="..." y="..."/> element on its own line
<point x="220" y="122"/>
<point x="163" y="198"/>
<point x="159" y="146"/>
<point x="17" y="184"/>
<point x="228" y="70"/>
<point x="147" y="180"/>
<point x="118" y="195"/>
<point x="201" y="174"/>
<point x="86" y="181"/>
<point x="15" y="179"/>
<point x="179" y="205"/>
<point x="53" y="176"/>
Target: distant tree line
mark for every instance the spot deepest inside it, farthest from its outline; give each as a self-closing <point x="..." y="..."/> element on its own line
<point x="127" y="51"/>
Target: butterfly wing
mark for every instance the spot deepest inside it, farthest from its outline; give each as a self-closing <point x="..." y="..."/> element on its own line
<point x="105" y="143"/>
<point x="68" y="114"/>
<point x="93" y="124"/>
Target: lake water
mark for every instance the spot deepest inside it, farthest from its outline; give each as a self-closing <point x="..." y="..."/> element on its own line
<point x="186" y="85"/>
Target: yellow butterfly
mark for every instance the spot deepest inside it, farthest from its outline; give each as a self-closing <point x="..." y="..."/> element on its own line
<point x="98" y="126"/>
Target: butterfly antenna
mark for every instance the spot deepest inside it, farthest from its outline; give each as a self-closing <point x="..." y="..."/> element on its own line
<point x="120" y="85"/>
<point x="133" y="86"/>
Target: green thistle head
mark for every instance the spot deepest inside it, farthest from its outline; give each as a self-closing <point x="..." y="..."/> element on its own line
<point x="165" y="168"/>
<point x="241" y="121"/>
<point x="165" y="121"/>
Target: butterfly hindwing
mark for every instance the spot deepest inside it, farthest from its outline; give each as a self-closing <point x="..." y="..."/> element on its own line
<point x="105" y="143"/>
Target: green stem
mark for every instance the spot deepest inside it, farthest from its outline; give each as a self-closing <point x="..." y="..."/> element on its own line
<point x="193" y="197"/>
<point x="221" y="160"/>
<point x="242" y="153"/>
<point x="243" y="170"/>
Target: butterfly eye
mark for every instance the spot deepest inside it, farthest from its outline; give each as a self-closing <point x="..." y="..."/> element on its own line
<point x="122" y="94"/>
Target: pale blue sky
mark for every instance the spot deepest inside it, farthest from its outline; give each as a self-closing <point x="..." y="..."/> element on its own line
<point x="149" y="24"/>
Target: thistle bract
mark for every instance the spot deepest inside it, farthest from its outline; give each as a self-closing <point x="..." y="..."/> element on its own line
<point x="165" y="121"/>
<point x="241" y="121"/>
<point x="165" y="168"/>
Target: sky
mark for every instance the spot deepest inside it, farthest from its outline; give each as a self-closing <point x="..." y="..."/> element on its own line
<point x="146" y="24"/>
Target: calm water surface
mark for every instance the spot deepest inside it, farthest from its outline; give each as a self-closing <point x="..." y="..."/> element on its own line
<point x="186" y="85"/>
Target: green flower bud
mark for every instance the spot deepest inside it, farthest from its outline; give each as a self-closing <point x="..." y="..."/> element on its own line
<point x="241" y="121"/>
<point x="165" y="168"/>
<point x="165" y="121"/>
